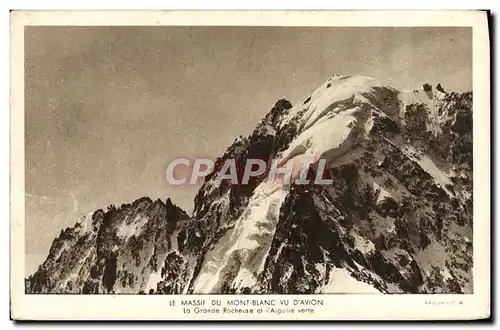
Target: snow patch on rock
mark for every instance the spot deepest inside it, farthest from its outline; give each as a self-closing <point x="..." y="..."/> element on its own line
<point x="153" y="280"/>
<point x="127" y="230"/>
<point x="382" y="193"/>
<point x="341" y="281"/>
<point x="430" y="167"/>
<point x="363" y="244"/>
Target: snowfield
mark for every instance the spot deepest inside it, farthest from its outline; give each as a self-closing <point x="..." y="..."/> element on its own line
<point x="249" y="240"/>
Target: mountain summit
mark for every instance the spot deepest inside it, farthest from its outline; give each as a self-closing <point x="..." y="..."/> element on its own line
<point x="396" y="219"/>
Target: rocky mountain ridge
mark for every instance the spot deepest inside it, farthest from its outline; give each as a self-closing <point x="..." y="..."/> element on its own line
<point x="397" y="218"/>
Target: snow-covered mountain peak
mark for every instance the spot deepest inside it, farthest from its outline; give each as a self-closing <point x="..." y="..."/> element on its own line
<point x="397" y="217"/>
<point x="336" y="90"/>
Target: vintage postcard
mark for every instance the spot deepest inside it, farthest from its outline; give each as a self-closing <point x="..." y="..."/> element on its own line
<point x="244" y="165"/>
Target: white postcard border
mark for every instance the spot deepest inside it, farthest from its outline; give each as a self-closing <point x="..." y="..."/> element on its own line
<point x="335" y="307"/>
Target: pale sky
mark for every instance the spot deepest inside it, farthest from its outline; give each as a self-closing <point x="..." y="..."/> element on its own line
<point x="108" y="107"/>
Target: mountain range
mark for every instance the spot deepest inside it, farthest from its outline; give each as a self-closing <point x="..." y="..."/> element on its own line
<point x="397" y="217"/>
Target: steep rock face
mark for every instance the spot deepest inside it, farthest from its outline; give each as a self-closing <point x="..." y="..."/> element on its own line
<point x="397" y="217"/>
<point x="113" y="251"/>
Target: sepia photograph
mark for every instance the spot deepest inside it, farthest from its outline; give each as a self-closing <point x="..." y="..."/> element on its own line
<point x="210" y="161"/>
